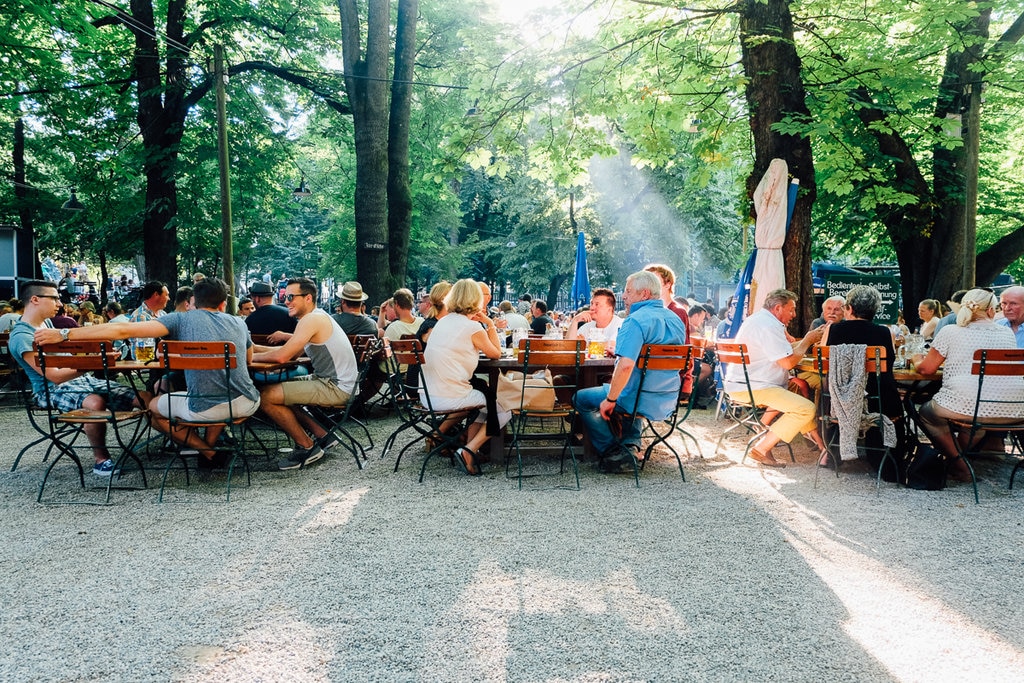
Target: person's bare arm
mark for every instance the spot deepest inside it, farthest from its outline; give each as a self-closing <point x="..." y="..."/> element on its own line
<point x="304" y="332"/>
<point x="107" y="331"/>
<point x="800" y="349"/>
<point x="486" y="341"/>
<point x="929" y="364"/>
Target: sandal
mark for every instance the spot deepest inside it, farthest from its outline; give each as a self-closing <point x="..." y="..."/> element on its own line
<point x="465" y="463"/>
<point x="766" y="459"/>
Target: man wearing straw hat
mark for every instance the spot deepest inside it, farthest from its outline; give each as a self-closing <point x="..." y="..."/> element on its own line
<point x="351" y="319"/>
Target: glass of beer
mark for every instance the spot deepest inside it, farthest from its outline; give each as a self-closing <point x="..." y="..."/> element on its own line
<point x="145" y="350"/>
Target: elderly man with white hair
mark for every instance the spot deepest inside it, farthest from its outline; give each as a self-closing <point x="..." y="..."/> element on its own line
<point x="648" y="322"/>
<point x="1011" y="303"/>
<point x="831" y="311"/>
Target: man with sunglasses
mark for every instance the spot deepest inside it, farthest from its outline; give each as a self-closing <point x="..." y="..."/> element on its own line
<point x="331" y="383"/>
<point x="69" y="389"/>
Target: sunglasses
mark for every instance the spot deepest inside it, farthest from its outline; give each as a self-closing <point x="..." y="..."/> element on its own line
<point x="291" y="297"/>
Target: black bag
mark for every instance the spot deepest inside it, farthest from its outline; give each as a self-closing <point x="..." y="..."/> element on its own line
<point x="926" y="469"/>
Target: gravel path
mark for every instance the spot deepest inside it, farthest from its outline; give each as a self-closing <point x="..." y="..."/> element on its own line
<point x="335" y="574"/>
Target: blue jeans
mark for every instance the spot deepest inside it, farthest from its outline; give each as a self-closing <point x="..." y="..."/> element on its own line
<point x="588" y="403"/>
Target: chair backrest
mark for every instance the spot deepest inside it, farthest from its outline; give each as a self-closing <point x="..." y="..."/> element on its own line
<point x="736" y="354"/>
<point x="262" y="340"/>
<point x="666" y="357"/>
<point x="211" y="356"/>
<point x="407" y="351"/>
<point x="536" y="353"/>
<point x="875" y="360"/>
<point x="78" y="355"/>
<point x="1000" y="363"/>
<point x="183" y="355"/>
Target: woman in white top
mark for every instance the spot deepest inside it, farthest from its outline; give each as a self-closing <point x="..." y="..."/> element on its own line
<point x="451" y="357"/>
<point x="956" y="344"/>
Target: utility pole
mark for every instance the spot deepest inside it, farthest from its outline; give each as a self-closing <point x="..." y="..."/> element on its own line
<point x="220" y="80"/>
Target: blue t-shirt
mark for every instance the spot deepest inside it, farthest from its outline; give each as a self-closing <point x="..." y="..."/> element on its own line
<point x="20" y="343"/>
<point x="649" y="322"/>
<point x="206" y="387"/>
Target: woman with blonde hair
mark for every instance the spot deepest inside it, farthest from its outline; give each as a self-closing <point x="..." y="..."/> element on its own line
<point x="451" y="357"/>
<point x="955" y="345"/>
<point x="436" y="311"/>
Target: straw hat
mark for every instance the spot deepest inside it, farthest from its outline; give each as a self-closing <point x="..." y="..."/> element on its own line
<point x="353" y="291"/>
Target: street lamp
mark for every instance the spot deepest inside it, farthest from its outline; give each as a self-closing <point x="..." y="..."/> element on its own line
<point x="73" y="204"/>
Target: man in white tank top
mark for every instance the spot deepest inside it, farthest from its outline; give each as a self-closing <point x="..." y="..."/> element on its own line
<point x="331" y="382"/>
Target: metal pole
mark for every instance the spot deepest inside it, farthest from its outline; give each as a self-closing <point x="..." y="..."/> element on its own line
<point x="220" y="80"/>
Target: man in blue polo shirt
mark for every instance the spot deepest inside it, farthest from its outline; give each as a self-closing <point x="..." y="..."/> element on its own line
<point x="648" y="322"/>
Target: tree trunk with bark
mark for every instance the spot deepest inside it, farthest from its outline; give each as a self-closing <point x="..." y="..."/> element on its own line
<point x="399" y="192"/>
<point x="775" y="91"/>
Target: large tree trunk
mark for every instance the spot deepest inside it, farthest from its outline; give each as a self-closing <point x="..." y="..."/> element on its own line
<point x="399" y="193"/>
<point x="161" y="118"/>
<point x="366" y="77"/>
<point x="955" y="170"/>
<point x="775" y="91"/>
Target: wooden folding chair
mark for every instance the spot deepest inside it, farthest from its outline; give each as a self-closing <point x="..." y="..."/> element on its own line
<point x="421" y="417"/>
<point x="875" y="363"/>
<point x="215" y="356"/>
<point x="65" y="428"/>
<point x="659" y="358"/>
<point x="996" y="365"/>
<point x="564" y="358"/>
<point x="743" y="410"/>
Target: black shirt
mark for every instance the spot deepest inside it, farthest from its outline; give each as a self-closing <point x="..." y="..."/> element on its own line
<point x="540" y="325"/>
<point x="872" y="334"/>
<point x="353" y="323"/>
<point x="270" y="319"/>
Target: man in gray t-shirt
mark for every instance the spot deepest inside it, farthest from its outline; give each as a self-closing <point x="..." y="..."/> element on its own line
<point x="206" y="322"/>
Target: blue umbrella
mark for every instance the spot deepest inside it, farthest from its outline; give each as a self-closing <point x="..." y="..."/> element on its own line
<point x="580" y="292"/>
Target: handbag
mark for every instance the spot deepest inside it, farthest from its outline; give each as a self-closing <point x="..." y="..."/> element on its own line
<point x="535" y="391"/>
<point x="926" y="469"/>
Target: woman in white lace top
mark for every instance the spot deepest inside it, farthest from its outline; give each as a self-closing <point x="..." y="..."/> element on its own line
<point x="955" y="345"/>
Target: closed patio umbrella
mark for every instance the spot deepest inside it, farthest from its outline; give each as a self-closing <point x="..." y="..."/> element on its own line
<point x="765" y="270"/>
<point x="580" y="291"/>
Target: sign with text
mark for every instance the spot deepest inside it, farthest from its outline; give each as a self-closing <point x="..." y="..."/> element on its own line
<point x="886" y="285"/>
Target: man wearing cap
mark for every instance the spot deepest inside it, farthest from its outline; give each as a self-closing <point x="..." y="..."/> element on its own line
<point x="351" y="318"/>
<point x="268" y="317"/>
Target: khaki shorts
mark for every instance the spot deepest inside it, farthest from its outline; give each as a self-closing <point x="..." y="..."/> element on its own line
<point x="313" y="391"/>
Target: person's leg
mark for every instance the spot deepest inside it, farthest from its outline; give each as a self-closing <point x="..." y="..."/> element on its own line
<point x="96" y="433"/>
<point x="588" y="405"/>
<point x="272" y="403"/>
<point x="933" y="420"/>
<point x="160" y="408"/>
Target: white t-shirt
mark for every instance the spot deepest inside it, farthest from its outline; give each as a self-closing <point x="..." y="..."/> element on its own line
<point x="515" y="321"/>
<point x="959" y="387"/>
<point x="765" y="337"/>
<point x="451" y="358"/>
<point x="610" y="332"/>
<point x="397" y="328"/>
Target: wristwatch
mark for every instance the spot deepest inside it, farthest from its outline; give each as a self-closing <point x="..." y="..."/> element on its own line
<point x="64" y="334"/>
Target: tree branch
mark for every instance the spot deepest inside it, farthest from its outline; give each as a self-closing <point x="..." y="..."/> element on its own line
<point x="994" y="260"/>
<point x="200" y="90"/>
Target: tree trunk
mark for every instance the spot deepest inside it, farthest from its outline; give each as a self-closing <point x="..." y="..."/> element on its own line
<point x="955" y="171"/>
<point x="366" y="78"/>
<point x="161" y="118"/>
<point x="26" y="260"/>
<point x="399" y="192"/>
<point x="775" y="91"/>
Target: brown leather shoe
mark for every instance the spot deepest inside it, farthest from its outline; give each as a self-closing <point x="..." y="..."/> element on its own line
<point x="766" y="459"/>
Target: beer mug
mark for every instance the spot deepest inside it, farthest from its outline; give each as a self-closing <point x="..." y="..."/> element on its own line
<point x="145" y="350"/>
